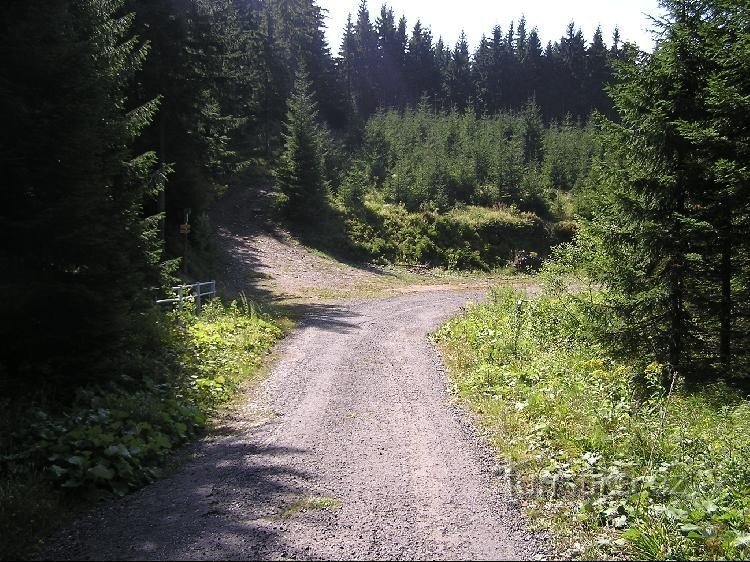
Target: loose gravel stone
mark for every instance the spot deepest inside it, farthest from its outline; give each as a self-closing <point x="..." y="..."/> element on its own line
<point x="351" y="448"/>
<point x="364" y="436"/>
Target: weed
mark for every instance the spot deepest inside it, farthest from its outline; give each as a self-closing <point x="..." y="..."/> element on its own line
<point x="599" y="450"/>
<point x="310" y="503"/>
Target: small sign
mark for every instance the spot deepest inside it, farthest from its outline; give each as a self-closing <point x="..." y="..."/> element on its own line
<point x="184" y="229"/>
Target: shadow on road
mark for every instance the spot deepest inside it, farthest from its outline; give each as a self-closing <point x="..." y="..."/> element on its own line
<point x="223" y="505"/>
<point x="245" y="226"/>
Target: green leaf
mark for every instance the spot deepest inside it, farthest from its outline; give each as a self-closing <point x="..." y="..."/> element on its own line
<point x="77" y="460"/>
<point x="101" y="472"/>
<point x="58" y="471"/>
<point x="119" y="450"/>
<point x="72" y="483"/>
<point x="632" y="534"/>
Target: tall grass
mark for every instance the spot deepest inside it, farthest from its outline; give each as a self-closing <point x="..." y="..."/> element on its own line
<point x="598" y="449"/>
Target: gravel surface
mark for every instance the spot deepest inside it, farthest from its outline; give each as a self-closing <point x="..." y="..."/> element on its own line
<point x="265" y="261"/>
<point x="350" y="449"/>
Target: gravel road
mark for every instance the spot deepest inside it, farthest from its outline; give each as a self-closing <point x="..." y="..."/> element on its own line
<point x="350" y="449"/>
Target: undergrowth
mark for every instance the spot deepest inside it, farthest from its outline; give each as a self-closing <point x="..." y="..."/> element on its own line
<point x="599" y="451"/>
<point x="465" y="238"/>
<point x="116" y="438"/>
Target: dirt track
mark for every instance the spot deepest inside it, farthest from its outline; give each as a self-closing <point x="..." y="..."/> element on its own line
<point x="351" y="449"/>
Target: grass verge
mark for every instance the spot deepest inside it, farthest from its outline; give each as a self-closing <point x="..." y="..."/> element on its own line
<point x="57" y="460"/>
<point x="598" y="451"/>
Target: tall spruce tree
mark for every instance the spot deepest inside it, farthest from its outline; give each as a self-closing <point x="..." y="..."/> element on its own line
<point x="421" y="70"/>
<point x="390" y="78"/>
<point x="345" y="68"/>
<point x="460" y="86"/>
<point x="77" y="255"/>
<point x="598" y="73"/>
<point x="202" y="63"/>
<point x="481" y="70"/>
<point x="533" y="64"/>
<point x="719" y="136"/>
<point x="669" y="223"/>
<point x="365" y="63"/>
<point x="301" y="172"/>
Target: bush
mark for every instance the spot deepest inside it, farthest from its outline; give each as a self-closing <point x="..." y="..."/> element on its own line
<point x="469" y="238"/>
<point x="611" y="459"/>
<point x="116" y="438"/>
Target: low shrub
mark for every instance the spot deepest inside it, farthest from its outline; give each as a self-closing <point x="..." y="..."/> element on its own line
<point x="115" y="438"/>
<point x="463" y="238"/>
<point x="598" y="449"/>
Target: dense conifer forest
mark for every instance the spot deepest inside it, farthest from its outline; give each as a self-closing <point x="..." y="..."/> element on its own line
<point x="129" y="114"/>
<point x="627" y="172"/>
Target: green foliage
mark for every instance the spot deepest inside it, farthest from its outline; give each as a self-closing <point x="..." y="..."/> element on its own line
<point x="301" y="167"/>
<point x="469" y="238"/>
<point x="383" y="65"/>
<point x="115" y="438"/>
<point x="464" y="192"/>
<point x="597" y="446"/>
<point x="423" y="159"/>
<point x="668" y="200"/>
<point x="202" y="63"/>
<point x="225" y="346"/>
<point x="78" y="255"/>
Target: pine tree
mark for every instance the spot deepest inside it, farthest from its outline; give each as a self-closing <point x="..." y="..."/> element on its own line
<point x="514" y="95"/>
<point x="422" y="66"/>
<point x="669" y="221"/>
<point x="719" y="136"/>
<point x="402" y="41"/>
<point x="459" y="75"/>
<point x="503" y="65"/>
<point x="389" y="72"/>
<point x="77" y="255"/>
<point x="533" y="132"/>
<point x="442" y="58"/>
<point x="598" y="73"/>
<point x="533" y="65"/>
<point x="365" y="63"/>
<point x="481" y="70"/>
<point x="345" y="68"/>
<point x="204" y="60"/>
<point x="572" y="60"/>
<point x="301" y="172"/>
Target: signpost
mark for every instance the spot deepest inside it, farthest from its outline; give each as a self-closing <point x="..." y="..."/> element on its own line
<point x="185" y="230"/>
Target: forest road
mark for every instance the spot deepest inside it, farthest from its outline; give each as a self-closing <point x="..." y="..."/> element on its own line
<point x="350" y="449"/>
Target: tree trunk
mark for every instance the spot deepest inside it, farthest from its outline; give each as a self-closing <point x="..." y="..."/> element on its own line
<point x="675" y="317"/>
<point x="725" y="312"/>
